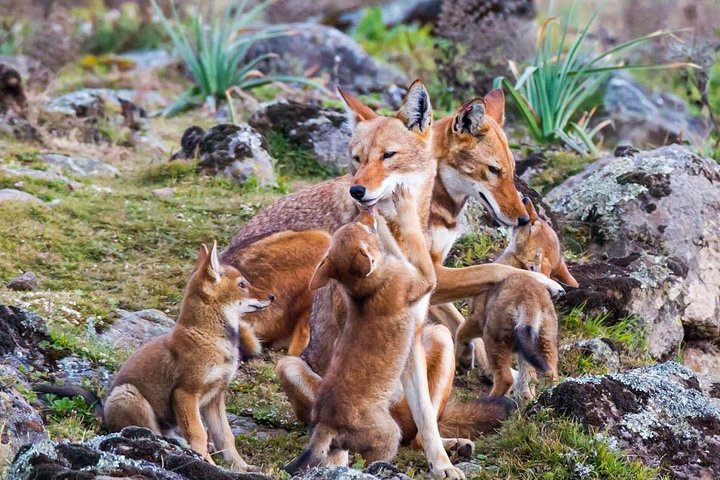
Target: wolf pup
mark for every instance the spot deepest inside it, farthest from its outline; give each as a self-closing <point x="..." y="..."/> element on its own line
<point x="381" y="281"/>
<point x="179" y="379"/>
<point x="518" y="314"/>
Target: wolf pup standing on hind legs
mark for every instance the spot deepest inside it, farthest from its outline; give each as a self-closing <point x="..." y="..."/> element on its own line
<point x="179" y="379"/>
<point x="381" y="281"/>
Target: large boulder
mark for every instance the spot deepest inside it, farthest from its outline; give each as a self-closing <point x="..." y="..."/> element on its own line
<point x="325" y="51"/>
<point x="133" y="329"/>
<point x="21" y="332"/>
<point x="78" y="165"/>
<point x="14" y="195"/>
<point x="658" y="413"/>
<point x="21" y="423"/>
<point x="652" y="218"/>
<point x="132" y="453"/>
<point x="647" y="119"/>
<point x="323" y="131"/>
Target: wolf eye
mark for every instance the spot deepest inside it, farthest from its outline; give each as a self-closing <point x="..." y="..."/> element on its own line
<point x="494" y="170"/>
<point x="242" y="284"/>
<point x="387" y="155"/>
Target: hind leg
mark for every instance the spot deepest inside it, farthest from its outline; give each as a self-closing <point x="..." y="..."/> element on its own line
<point x="126" y="406"/>
<point x="523" y="391"/>
<point x="446" y="314"/>
<point x="499" y="360"/>
<point x="300" y="384"/>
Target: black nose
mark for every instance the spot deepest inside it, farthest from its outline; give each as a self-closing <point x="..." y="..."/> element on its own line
<point x="524" y="220"/>
<point x="271" y="297"/>
<point x="357" y="192"/>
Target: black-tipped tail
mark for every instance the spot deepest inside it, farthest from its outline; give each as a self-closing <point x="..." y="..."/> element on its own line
<point x="303" y="462"/>
<point x="526" y="342"/>
<point x="88" y="395"/>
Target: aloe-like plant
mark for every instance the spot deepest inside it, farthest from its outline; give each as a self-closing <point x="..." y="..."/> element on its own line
<point x="561" y="79"/>
<point x="214" y="52"/>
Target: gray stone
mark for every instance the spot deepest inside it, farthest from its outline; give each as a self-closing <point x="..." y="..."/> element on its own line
<point x="164" y="192"/>
<point x="47" y="175"/>
<point x="237" y="152"/>
<point x="21" y="423"/>
<point x="26" y="282"/>
<point x="648" y="119"/>
<point x="81" y="166"/>
<point x="148" y="59"/>
<point x="132" y="453"/>
<point x="326" y="51"/>
<point x="13" y="195"/>
<point x="653" y="215"/>
<point x="242" y="425"/>
<point x="133" y="329"/>
<point x="601" y="352"/>
<point x="323" y="131"/>
<point x="703" y="358"/>
<point x="76" y="371"/>
<point x="375" y="471"/>
<point x="658" y="413"/>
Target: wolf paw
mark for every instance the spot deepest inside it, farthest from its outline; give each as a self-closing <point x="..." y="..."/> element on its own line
<point x="450" y="472"/>
<point x="555" y="289"/>
<point x="403" y="198"/>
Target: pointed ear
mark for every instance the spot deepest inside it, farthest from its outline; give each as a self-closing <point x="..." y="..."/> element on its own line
<point x="495" y="105"/>
<point x="365" y="262"/>
<point x="356" y="110"/>
<point x="214" y="270"/>
<point x="203" y="258"/>
<point x="562" y="274"/>
<point x="416" y="111"/>
<point x="471" y="118"/>
<point x="530" y="208"/>
<point x="323" y="273"/>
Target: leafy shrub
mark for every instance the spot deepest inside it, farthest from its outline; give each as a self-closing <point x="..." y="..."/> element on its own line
<point x="554" y="88"/>
<point x="126" y="30"/>
<point x="214" y="52"/>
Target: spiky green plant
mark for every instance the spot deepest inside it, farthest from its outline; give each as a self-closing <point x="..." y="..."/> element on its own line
<point x="214" y="49"/>
<point x="562" y="78"/>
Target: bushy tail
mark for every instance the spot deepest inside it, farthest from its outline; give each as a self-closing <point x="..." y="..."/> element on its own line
<point x="88" y="395"/>
<point x="526" y="342"/>
<point x="470" y="419"/>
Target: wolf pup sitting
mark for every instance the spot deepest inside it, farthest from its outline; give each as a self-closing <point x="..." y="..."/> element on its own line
<point x="179" y="379"/>
<point x="517" y="314"/>
<point x="381" y="281"/>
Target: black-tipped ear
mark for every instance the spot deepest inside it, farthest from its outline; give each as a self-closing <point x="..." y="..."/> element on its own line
<point x="416" y="111"/>
<point x="471" y="118"/>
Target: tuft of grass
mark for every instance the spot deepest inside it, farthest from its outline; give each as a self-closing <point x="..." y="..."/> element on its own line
<point x="293" y="161"/>
<point x="558" y="166"/>
<point x="543" y="446"/>
<point x="470" y="250"/>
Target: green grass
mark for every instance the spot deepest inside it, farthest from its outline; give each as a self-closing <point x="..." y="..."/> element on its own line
<point x="558" y="166"/>
<point x="293" y="161"/>
<point x="471" y="249"/>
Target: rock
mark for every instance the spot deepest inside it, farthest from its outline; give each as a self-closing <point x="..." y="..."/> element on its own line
<point x="31" y="70"/>
<point x="375" y="471"/>
<point x="134" y="329"/>
<point x="323" y="131"/>
<point x="242" y="425"/>
<point x="12" y="93"/>
<point x="12" y="195"/>
<point x="703" y="358"/>
<point x="81" y="166"/>
<point x="16" y="125"/>
<point x="648" y="119"/>
<point x="21" y="333"/>
<point x="132" y="453"/>
<point x="84" y="112"/>
<point x="282" y="11"/>
<point x="398" y="12"/>
<point x="599" y="349"/>
<point x="26" y="282"/>
<point x="21" y="423"/>
<point x="325" y="51"/>
<point x="47" y="175"/>
<point x="76" y="371"/>
<point x="164" y="192"/>
<point x="148" y="59"/>
<point x="238" y="152"/>
<point x="658" y="413"/>
<point x="469" y="468"/>
<point x="653" y="222"/>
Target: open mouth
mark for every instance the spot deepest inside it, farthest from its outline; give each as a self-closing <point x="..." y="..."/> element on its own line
<point x="258" y="306"/>
<point x="367" y="203"/>
<point x="490" y="208"/>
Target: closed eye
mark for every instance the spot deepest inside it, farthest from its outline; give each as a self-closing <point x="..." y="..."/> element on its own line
<point x="494" y="170"/>
<point x="387" y="155"/>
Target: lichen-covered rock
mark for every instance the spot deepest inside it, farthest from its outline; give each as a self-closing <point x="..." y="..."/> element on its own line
<point x="132" y="453"/>
<point x="703" y="358"/>
<point x="21" y="423"/>
<point x="78" y="165"/>
<point x="648" y="119"/>
<point x="238" y="152"/>
<point x="658" y="413"/>
<point x="599" y="349"/>
<point x="323" y="131"/>
<point x="375" y="471"/>
<point x="133" y="329"/>
<point x="654" y="220"/>
<point x="325" y="51"/>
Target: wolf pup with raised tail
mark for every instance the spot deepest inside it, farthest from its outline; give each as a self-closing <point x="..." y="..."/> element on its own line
<point x="381" y="281"/>
<point x="517" y="314"/>
<point x="179" y="379"/>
